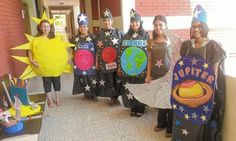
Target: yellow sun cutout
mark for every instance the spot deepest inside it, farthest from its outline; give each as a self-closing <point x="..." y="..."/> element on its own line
<point x="44" y="17"/>
<point x="51" y="55"/>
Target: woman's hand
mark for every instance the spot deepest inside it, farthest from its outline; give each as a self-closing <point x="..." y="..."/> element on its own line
<point x="148" y="79"/>
<point x="35" y="63"/>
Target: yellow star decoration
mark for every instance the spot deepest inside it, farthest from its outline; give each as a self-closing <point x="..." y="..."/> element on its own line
<point x="52" y="59"/>
<point x="203" y="117"/>
<point x="44" y="17"/>
<point x="181" y="63"/>
<point x="186" y="116"/>
<point x="174" y="106"/>
<point x="205" y="65"/>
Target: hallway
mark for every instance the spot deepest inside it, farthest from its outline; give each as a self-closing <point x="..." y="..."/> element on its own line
<point x="79" y="119"/>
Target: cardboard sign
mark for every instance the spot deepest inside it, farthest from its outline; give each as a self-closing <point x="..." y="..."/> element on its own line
<point x="193" y="84"/>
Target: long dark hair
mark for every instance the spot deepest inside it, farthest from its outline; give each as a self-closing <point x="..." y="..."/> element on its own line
<point x="204" y="27"/>
<point x="51" y="33"/>
<point x="161" y="18"/>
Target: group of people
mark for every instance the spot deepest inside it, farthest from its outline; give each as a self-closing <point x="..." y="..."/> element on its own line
<point x="106" y="63"/>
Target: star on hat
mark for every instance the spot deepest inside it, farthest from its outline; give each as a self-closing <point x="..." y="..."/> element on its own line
<point x="134" y="16"/>
<point x="44" y="17"/>
<point x="82" y="19"/>
<point x="107" y="14"/>
<point x="199" y="14"/>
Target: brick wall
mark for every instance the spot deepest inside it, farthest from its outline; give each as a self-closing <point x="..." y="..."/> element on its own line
<point x="163" y="7"/>
<point x="11" y="35"/>
<point x="113" y="5"/>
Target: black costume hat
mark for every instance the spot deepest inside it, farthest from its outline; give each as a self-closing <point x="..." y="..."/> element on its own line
<point x="134" y="16"/>
<point x="107" y="14"/>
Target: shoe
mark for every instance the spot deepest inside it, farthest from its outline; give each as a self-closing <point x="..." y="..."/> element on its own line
<point x="114" y="101"/>
<point x="132" y="114"/>
<point x="168" y="134"/>
<point x="157" y="129"/>
<point x="138" y="114"/>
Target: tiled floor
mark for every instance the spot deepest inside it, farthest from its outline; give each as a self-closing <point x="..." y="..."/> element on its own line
<point x="79" y="119"/>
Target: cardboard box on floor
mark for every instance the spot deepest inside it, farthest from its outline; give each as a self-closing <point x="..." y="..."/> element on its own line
<point x="33" y="123"/>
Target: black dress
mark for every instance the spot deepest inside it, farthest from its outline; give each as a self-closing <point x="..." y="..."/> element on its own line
<point x="211" y="131"/>
<point x="85" y="79"/>
<point x="107" y="46"/>
<point x="139" y="41"/>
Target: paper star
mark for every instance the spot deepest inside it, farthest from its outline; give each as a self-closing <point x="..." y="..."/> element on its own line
<point x="75" y="67"/>
<point x="88" y="39"/>
<point x="135" y="35"/>
<point x="114" y="41"/>
<point x="205" y="108"/>
<point x="181" y="108"/>
<point x="106" y="13"/>
<point x="174" y="106"/>
<point x="181" y="63"/>
<point x="93" y="67"/>
<point x="186" y="116"/>
<point x="185" y="132"/>
<point x="99" y="43"/>
<point x="177" y="122"/>
<point x="196" y="13"/>
<point x="87" y="88"/>
<point x="107" y="33"/>
<point x="102" y="82"/>
<point x="77" y="39"/>
<point x="159" y="63"/>
<point x="130" y="96"/>
<point x="194" y="115"/>
<point x="203" y="118"/>
<point x="84" y="72"/>
<point x="132" y="14"/>
<point x="194" y="61"/>
<point x="205" y="65"/>
<point x="82" y="18"/>
<point x="92" y="49"/>
<point x="94" y="82"/>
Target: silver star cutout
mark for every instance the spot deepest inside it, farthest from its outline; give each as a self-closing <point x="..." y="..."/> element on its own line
<point x="184" y="132"/>
<point x="107" y="33"/>
<point x="206" y="109"/>
<point x="130" y="96"/>
<point x="194" y="61"/>
<point x="77" y="39"/>
<point x="106" y="13"/>
<point x="132" y="14"/>
<point x="114" y="41"/>
<point x="82" y="18"/>
<point x="75" y="67"/>
<point x="92" y="49"/>
<point x="181" y="108"/>
<point x="88" y="39"/>
<point x="196" y="13"/>
<point x="102" y="82"/>
<point x="135" y="35"/>
<point x="93" y="67"/>
<point x="94" y="82"/>
<point x="194" y="115"/>
<point x="84" y="72"/>
<point x="87" y="88"/>
<point x="186" y="116"/>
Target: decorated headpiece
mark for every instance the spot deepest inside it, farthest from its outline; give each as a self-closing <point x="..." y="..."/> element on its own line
<point x="107" y="14"/>
<point x="44" y="17"/>
<point x="199" y="14"/>
<point x="82" y="19"/>
<point x="134" y="16"/>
